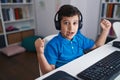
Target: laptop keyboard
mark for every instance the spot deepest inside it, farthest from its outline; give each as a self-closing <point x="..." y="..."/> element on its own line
<point x="105" y="69"/>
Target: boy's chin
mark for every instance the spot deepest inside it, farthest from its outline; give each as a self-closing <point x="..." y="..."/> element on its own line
<point x="69" y="38"/>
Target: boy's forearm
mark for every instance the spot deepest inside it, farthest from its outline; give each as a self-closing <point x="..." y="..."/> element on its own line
<point x="44" y="65"/>
<point x="102" y="38"/>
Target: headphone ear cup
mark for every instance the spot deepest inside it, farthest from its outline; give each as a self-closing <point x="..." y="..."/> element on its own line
<point x="57" y="25"/>
<point x="80" y="25"/>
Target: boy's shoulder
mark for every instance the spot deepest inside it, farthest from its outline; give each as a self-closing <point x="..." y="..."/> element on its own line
<point x="58" y="39"/>
<point x="55" y="38"/>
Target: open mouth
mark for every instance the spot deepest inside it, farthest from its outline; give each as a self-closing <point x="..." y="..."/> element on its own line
<point x="70" y="33"/>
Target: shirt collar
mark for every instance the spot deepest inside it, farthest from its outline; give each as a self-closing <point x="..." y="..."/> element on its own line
<point x="66" y="41"/>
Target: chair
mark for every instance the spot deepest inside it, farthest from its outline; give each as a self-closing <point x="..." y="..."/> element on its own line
<point x="116" y="28"/>
<point x="47" y="39"/>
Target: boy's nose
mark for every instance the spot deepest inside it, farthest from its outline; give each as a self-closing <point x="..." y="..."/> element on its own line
<point x="71" y="27"/>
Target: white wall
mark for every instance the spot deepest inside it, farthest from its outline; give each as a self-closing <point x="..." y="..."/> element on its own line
<point x="45" y="16"/>
<point x="93" y="18"/>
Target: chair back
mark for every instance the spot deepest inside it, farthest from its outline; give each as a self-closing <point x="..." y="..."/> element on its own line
<point x="116" y="28"/>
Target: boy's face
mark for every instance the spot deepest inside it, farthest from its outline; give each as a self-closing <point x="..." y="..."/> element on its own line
<point x="69" y="26"/>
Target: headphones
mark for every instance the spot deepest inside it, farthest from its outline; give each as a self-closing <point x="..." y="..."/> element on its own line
<point x="57" y="22"/>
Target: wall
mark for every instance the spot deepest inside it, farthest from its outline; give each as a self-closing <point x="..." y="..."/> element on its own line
<point x="45" y="16"/>
<point x="93" y="18"/>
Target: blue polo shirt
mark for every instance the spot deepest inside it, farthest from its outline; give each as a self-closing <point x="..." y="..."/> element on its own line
<point x="60" y="50"/>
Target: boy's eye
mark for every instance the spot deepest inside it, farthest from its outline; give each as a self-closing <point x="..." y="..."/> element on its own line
<point x="75" y="23"/>
<point x="66" y="23"/>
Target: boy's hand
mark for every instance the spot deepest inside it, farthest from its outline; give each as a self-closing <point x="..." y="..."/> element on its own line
<point x="39" y="44"/>
<point x="105" y="25"/>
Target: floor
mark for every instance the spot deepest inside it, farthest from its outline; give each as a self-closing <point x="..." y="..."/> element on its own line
<point x="23" y="66"/>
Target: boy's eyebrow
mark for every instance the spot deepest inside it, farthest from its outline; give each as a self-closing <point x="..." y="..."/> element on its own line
<point x="68" y="20"/>
<point x="65" y="20"/>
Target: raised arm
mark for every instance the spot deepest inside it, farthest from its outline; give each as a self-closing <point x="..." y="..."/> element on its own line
<point x="44" y="65"/>
<point x="105" y="25"/>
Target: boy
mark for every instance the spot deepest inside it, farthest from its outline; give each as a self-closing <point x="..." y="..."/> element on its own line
<point x="69" y="44"/>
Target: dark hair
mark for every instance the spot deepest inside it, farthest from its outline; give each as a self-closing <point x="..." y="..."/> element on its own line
<point x="68" y="11"/>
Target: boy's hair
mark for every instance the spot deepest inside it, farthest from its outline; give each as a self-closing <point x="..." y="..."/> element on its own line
<point x="68" y="11"/>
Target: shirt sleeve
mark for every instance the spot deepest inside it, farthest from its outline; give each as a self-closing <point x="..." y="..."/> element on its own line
<point x="86" y="42"/>
<point x="51" y="53"/>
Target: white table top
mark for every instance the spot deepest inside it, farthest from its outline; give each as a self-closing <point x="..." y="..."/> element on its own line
<point x="76" y="66"/>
